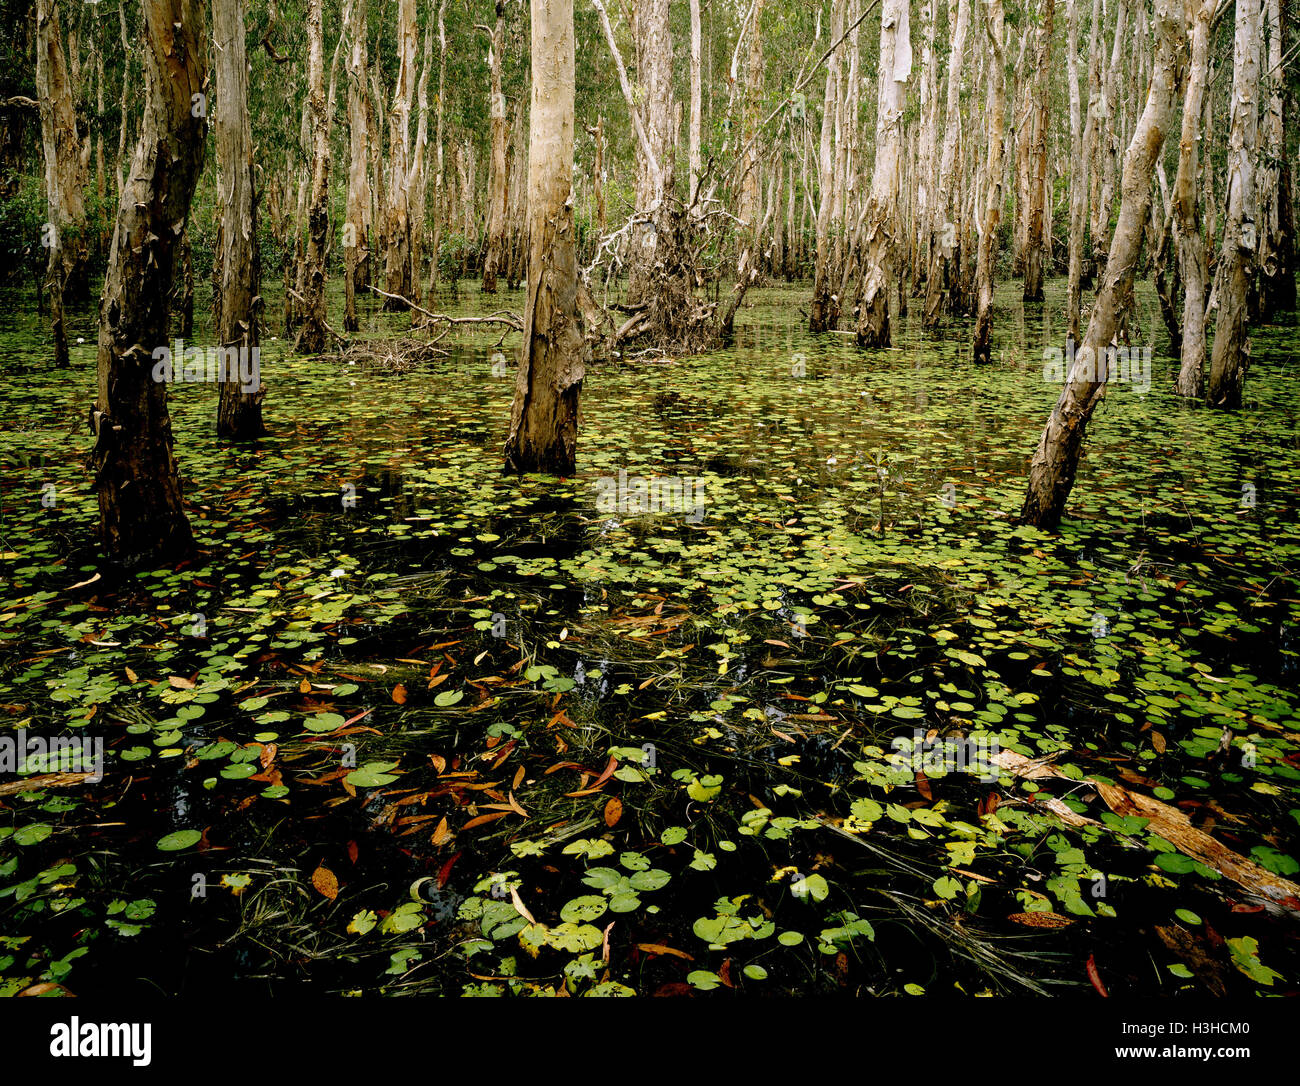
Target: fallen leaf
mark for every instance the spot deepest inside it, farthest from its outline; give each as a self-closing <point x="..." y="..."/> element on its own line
<point x="613" y="811"/>
<point x="324" y="881"/>
<point x="399" y="694"/>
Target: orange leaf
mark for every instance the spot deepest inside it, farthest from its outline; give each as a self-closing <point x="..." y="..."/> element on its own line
<point x="519" y="776"/>
<point x="441" y="835"/>
<point x="613" y="811"/>
<point x="1041" y="920"/>
<point x="659" y="948"/>
<point x="399" y="694"/>
<point x="483" y="819"/>
<point x="179" y="683"/>
<point x="132" y="675"/>
<point x="353" y="851"/>
<point x="324" y="881"/>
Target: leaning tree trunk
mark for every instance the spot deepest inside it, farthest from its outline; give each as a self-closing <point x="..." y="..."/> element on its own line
<point x="895" y="70"/>
<point x="1277" y="241"/>
<point x="1193" y="267"/>
<point x="1237" y="261"/>
<point x="1052" y="471"/>
<point x="544" y="418"/>
<point x="64" y="234"/>
<point x="819" y="318"/>
<point x="136" y="478"/>
<point x="946" y="203"/>
<point x="356" y="228"/>
<point x="992" y="210"/>
<point x="1039" y="227"/>
<point x="239" y="408"/>
<point x="312" y="335"/>
<point x="497" y="170"/>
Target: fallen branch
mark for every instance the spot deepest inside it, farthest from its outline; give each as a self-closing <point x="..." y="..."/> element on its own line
<point x="501" y="317"/>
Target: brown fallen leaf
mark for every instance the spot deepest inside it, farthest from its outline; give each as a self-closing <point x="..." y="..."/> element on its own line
<point x="131" y="675"/>
<point x="353" y="851"/>
<point x="613" y="811"/>
<point x="48" y="780"/>
<point x="180" y="683"/>
<point x="304" y="687"/>
<point x="324" y="881"/>
<point x="399" y="694"/>
<point x="483" y="819"/>
<point x="441" y="834"/>
<point x="659" y="948"/>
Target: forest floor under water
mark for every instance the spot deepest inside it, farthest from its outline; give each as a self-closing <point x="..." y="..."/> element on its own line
<point x="405" y="724"/>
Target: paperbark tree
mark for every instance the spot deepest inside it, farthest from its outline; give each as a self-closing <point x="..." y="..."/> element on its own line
<point x="356" y="227"/>
<point x="696" y="103"/>
<point x="64" y="234"/>
<point x="1056" y="460"/>
<point x="895" y="71"/>
<point x="992" y="183"/>
<point x="312" y="333"/>
<point x="544" y="417"/>
<point x="819" y="318"/>
<point x="1277" y="240"/>
<point x="497" y="167"/>
<point x="946" y="196"/>
<point x="140" y="515"/>
<point x="1039" y="227"/>
<point x="1080" y="159"/>
<point x="397" y="256"/>
<point x="1231" y="358"/>
<point x="1193" y="263"/>
<point x="237" y="275"/>
<point x="654" y="167"/>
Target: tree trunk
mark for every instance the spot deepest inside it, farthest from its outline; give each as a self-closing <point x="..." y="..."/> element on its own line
<point x="356" y="228"/>
<point x="397" y="258"/>
<point x="819" y="318"/>
<point x="1193" y="264"/>
<point x="497" y="169"/>
<point x="946" y="203"/>
<point x="895" y="71"/>
<point x="696" y="104"/>
<point x="1277" y="241"/>
<point x="312" y="334"/>
<point x="140" y="515"/>
<point x="236" y="301"/>
<point x="992" y="209"/>
<point x="544" y="418"/>
<point x="654" y="170"/>
<point x="1237" y="262"/>
<point x="1052" y="471"/>
<point x="1079" y="162"/>
<point x="64" y="234"/>
<point x="1039" y="227"/>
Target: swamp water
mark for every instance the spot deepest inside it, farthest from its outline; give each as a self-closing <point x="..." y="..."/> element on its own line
<point x="405" y="724"/>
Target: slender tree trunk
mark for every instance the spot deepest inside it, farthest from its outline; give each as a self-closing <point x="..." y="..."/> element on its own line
<point x="497" y="169"/>
<point x="1052" y="471"/>
<point x="356" y="228"/>
<point x="654" y="171"/>
<point x="895" y="71"/>
<point x="140" y="515"/>
<point x="1193" y="264"/>
<point x="544" y="418"/>
<point x="64" y="234"/>
<point x="819" y="319"/>
<point x="946" y="202"/>
<point x="1237" y="262"/>
<point x="397" y="258"/>
<point x="926" y="165"/>
<point x="696" y="103"/>
<point x="1277" y="240"/>
<point x="439" y="197"/>
<point x="1079" y="160"/>
<point x="992" y="209"/>
<point x="750" y="181"/>
<point x="312" y="333"/>
<point x="1039" y="226"/>
<point x="239" y="407"/>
